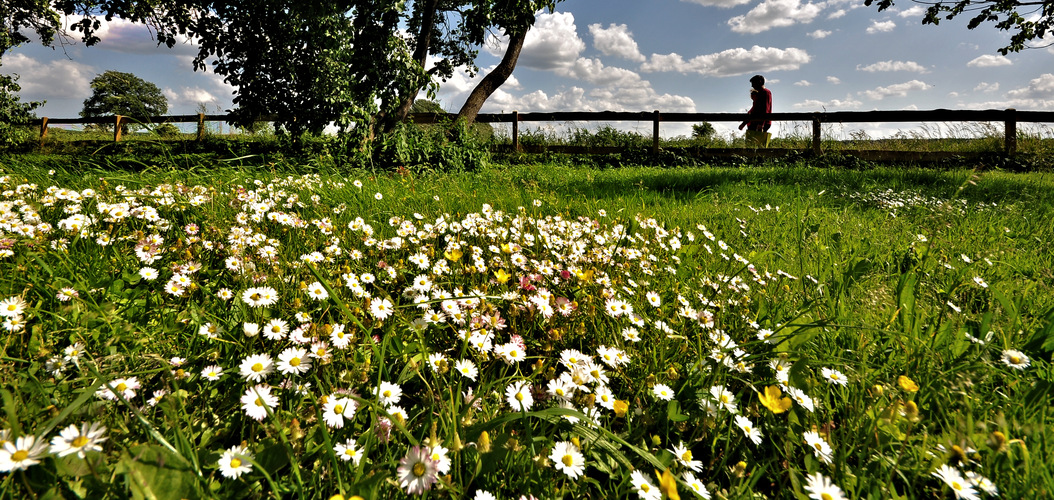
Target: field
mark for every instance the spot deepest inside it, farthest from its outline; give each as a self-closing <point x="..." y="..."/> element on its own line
<point x="544" y="330"/>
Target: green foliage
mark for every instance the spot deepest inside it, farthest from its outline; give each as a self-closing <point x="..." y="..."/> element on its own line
<point x="1024" y="27"/>
<point x="703" y="131"/>
<point x="14" y="114"/>
<point x="117" y="93"/>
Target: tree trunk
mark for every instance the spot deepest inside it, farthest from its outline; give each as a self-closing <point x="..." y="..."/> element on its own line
<point x="424" y="45"/>
<point x="493" y="80"/>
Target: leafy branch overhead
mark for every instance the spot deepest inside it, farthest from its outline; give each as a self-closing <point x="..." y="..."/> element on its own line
<point x="1025" y="21"/>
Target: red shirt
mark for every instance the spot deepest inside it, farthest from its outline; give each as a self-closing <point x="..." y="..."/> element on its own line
<point x="762" y="104"/>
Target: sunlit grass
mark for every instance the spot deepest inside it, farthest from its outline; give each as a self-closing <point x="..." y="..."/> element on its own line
<point x="782" y="328"/>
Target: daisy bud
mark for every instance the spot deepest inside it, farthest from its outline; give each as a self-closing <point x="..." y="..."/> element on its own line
<point x="484" y="442"/>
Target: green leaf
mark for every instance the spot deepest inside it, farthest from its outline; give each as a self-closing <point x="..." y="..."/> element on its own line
<point x="152" y="472"/>
<point x="673" y="412"/>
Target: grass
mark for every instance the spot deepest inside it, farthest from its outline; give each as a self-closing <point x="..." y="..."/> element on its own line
<point x="927" y="291"/>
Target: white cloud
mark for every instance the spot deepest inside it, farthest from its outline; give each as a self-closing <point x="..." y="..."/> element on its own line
<point x="914" y="11"/>
<point x="819" y="34"/>
<point x="881" y="27"/>
<point x="1038" y="88"/>
<point x="553" y="42"/>
<point x="641" y="98"/>
<point x="910" y="66"/>
<point x="718" y="3"/>
<point x="594" y="71"/>
<point x="836" y="14"/>
<point x="773" y="14"/>
<point x="833" y="104"/>
<point x="191" y="96"/>
<point x="616" y="40"/>
<point x="731" y="62"/>
<point x="833" y="80"/>
<point x="986" y="87"/>
<point x="40" y="81"/>
<point x="803" y="83"/>
<point x="989" y="61"/>
<point x="120" y="35"/>
<point x="895" y="90"/>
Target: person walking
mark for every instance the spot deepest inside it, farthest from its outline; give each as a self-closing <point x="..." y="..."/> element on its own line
<point x="761" y="99"/>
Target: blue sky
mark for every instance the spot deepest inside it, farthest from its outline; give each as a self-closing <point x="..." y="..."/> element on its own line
<point x="670" y="55"/>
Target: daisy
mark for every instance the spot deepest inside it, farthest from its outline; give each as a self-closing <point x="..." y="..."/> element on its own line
<point x="336" y="410"/>
<point x="567" y="459"/>
<point x="466" y="368"/>
<point x="518" y="394"/>
<point x="381" y="308"/>
<point x="748" y="428"/>
<point x="79" y="441"/>
<point x="631" y="334"/>
<point x="66" y="294"/>
<point x="834" y="376"/>
<point x="662" y="392"/>
<point x="821" y="488"/>
<point x="317" y="291"/>
<point x="818" y="445"/>
<point x="73" y="353"/>
<point x="725" y="398"/>
<point x="954" y="479"/>
<point x="294" y="361"/>
<point x="560" y="389"/>
<point x="389" y="394"/>
<point x="258" y="400"/>
<point x="256" y="367"/>
<point x="653" y="299"/>
<point x="148" y="273"/>
<point x="684" y="457"/>
<point x="276" y="329"/>
<point x="235" y="461"/>
<point x="484" y="495"/>
<point x="339" y="336"/>
<point x="1016" y="359"/>
<point x="605" y="398"/>
<point x="696" y="485"/>
<point x="22" y="453"/>
<point x="417" y="471"/>
<point x="439" y="454"/>
<point x="437" y="362"/>
<point x="801" y="398"/>
<point x="124" y="386"/>
<point x="212" y="373"/>
<point x="644" y="488"/>
<point x="348" y="451"/>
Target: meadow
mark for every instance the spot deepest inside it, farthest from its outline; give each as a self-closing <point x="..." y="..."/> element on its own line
<point x="525" y="331"/>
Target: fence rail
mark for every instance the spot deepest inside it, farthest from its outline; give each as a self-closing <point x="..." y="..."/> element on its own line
<point x="1009" y="117"/>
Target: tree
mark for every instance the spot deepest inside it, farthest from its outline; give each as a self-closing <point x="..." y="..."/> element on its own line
<point x="1024" y="20"/>
<point x="117" y="93"/>
<point x="14" y="114"/>
<point x="703" y="131"/>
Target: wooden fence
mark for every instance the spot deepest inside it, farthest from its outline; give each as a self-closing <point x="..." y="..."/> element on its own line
<point x="1009" y="117"/>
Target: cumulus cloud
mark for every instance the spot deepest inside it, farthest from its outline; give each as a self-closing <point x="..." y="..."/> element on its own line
<point x="895" y="90"/>
<point x="188" y="96"/>
<point x="594" y="71"/>
<point x="616" y="40"/>
<point x="989" y="61"/>
<point x="803" y="83"/>
<point x="834" y="80"/>
<point x="1038" y="88"/>
<point x="773" y="14"/>
<point x="40" y="81"/>
<point x="884" y="66"/>
<point x="819" y="34"/>
<point x="120" y="35"/>
<point x="914" y="11"/>
<point x="836" y="14"/>
<point x="881" y="27"/>
<point x="718" y="3"/>
<point x="731" y="62"/>
<point x="576" y="98"/>
<point x="986" y="87"/>
<point x="833" y="104"/>
<point x="553" y="42"/>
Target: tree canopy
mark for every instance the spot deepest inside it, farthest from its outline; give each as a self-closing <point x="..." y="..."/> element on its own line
<point x="117" y="93"/>
<point x="1026" y="21"/>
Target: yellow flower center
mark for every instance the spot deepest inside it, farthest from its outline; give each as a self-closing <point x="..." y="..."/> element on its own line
<point x="513" y="353"/>
<point x="338" y="409"/>
<point x="1015" y="359"/>
<point x="295" y="362"/>
<point x="387" y="394"/>
<point x="519" y="396"/>
<point x="122" y="387"/>
<point x="687" y="456"/>
<point x="568" y="460"/>
<point x="645" y="487"/>
<point x="818" y="446"/>
<point x="826" y="496"/>
<point x="258" y="367"/>
<point x="260" y="402"/>
<point x="235" y="463"/>
<point x="80" y="442"/>
<point x="19" y="455"/>
<point x="419" y="469"/>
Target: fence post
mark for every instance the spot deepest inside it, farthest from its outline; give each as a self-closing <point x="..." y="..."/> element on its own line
<point x="117" y="128"/>
<point x="43" y="129"/>
<point x="201" y="126"/>
<point x="516" y="131"/>
<point x="655" y="134"/>
<point x="1010" y="129"/>
<point x="816" y="135"/>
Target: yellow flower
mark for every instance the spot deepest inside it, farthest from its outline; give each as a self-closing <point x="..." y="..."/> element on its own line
<point x="502" y="276"/>
<point x="668" y="485"/>
<point x="771" y="399"/>
<point x="621" y="407"/>
<point x="907" y="384"/>
<point x="453" y="255"/>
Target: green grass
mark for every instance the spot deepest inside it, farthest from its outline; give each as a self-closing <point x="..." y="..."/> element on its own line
<point x="883" y="274"/>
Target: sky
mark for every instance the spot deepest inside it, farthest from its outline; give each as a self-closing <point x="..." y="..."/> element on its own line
<point x="645" y="55"/>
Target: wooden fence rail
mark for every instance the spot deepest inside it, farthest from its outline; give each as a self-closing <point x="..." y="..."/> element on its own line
<point x="1009" y="117"/>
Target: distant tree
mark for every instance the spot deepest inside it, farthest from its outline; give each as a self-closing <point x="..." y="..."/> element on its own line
<point x="426" y="106"/>
<point x="1024" y="20"/>
<point x="14" y="114"/>
<point x="117" y="93"/>
<point x="703" y="131"/>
